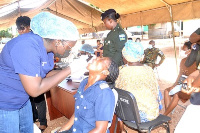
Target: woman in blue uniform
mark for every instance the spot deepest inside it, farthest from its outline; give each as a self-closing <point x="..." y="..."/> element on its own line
<point x="116" y="38"/>
<point x="24" y="64"/>
<point x="95" y="101"/>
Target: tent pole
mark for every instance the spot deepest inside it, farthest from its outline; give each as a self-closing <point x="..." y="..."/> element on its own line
<point x="169" y="7"/>
<point x="19" y="8"/>
<point x="141" y="24"/>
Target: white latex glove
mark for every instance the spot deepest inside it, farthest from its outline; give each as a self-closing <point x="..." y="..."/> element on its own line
<point x="79" y="64"/>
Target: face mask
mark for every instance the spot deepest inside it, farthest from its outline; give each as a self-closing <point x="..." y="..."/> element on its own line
<point x="182" y="53"/>
<point x="66" y="54"/>
<point x="150" y="46"/>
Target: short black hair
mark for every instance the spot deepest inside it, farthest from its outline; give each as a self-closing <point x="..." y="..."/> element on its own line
<point x="188" y="44"/>
<point x="83" y="41"/>
<point x="23" y="21"/>
<point x="152" y="41"/>
<point x="113" y="72"/>
<point x="98" y="40"/>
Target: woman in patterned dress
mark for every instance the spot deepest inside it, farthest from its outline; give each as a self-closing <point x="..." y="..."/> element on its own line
<point x="140" y="80"/>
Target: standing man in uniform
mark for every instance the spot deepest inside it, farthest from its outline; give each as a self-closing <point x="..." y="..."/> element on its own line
<point x="151" y="54"/>
<point x="116" y="38"/>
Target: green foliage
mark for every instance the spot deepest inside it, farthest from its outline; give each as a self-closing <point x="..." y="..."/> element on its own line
<point x="5" y="33"/>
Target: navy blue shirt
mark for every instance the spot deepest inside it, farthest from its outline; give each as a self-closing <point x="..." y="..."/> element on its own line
<point x="25" y="55"/>
<point x="96" y="103"/>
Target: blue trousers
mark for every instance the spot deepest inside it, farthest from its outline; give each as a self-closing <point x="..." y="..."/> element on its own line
<point x="17" y="121"/>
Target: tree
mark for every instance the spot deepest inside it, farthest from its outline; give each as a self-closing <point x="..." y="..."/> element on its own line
<point x="5" y="33"/>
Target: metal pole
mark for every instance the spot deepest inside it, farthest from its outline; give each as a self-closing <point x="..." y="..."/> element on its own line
<point x="169" y="7"/>
<point x="141" y="24"/>
<point x="19" y="8"/>
<point x="172" y="23"/>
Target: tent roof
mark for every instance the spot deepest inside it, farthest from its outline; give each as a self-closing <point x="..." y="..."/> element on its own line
<point x="5" y="2"/>
<point x="133" y="12"/>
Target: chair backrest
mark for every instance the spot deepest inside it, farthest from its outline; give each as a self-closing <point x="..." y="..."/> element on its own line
<point x="116" y="99"/>
<point x="126" y="108"/>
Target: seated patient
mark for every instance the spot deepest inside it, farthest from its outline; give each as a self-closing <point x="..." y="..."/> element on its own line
<point x="173" y="93"/>
<point x="94" y="100"/>
<point x="140" y="80"/>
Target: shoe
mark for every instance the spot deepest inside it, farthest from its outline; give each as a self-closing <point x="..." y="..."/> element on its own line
<point x="42" y="128"/>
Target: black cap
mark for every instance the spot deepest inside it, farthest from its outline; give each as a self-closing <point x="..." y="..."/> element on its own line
<point x="106" y="13"/>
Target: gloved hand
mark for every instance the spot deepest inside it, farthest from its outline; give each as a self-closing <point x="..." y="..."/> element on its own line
<point x="79" y="64"/>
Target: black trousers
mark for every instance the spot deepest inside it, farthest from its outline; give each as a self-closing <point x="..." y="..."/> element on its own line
<point x="39" y="109"/>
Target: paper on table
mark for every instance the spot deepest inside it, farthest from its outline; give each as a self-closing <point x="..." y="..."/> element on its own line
<point x="70" y="87"/>
<point x="76" y="78"/>
<point x="66" y="86"/>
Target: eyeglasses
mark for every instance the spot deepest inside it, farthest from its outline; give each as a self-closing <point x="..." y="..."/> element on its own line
<point x="65" y="43"/>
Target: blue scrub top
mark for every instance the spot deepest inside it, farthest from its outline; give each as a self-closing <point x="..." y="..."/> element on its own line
<point x="25" y="55"/>
<point x="96" y="103"/>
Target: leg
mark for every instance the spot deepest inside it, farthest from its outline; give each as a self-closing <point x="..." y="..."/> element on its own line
<point x="26" y="119"/>
<point x="35" y="113"/>
<point x="95" y="52"/>
<point x="41" y="107"/>
<point x="9" y="121"/>
<point x="172" y="104"/>
<point x="167" y="97"/>
<point x="121" y="127"/>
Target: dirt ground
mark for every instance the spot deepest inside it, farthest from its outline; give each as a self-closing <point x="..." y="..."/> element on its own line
<point x="167" y="74"/>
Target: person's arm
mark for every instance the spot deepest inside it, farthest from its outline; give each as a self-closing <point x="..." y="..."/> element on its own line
<point x="190" y="79"/>
<point x="193" y="82"/>
<point x="101" y="127"/>
<point x="144" y="59"/>
<point x="118" y="46"/>
<point x="52" y="72"/>
<point x="181" y="70"/>
<point x="195" y="36"/>
<point x="68" y="125"/>
<point x="35" y="86"/>
<point x="101" y="51"/>
<point x="162" y="56"/>
<point x="196" y="82"/>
